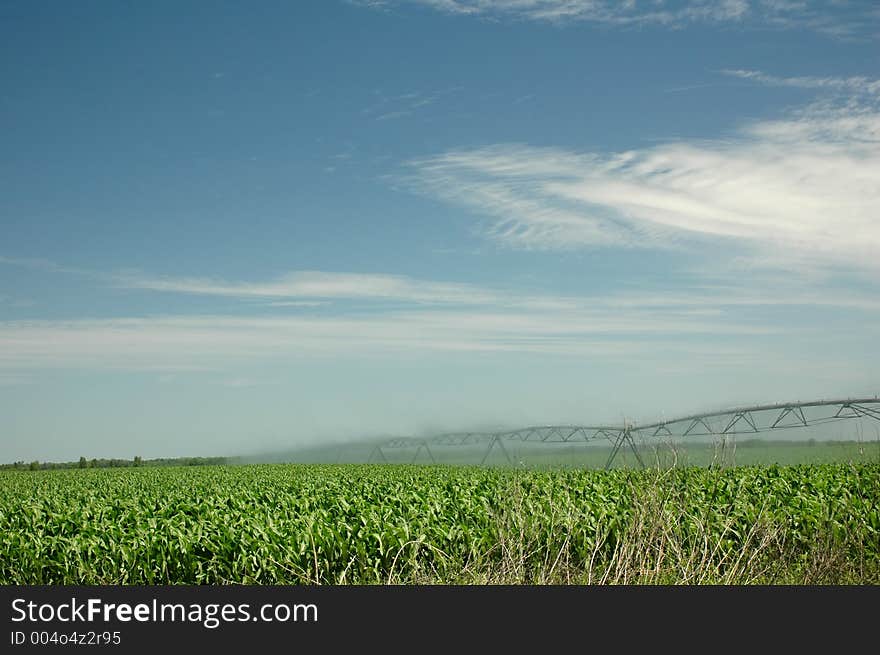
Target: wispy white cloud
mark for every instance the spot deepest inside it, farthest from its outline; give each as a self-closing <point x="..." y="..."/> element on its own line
<point x="840" y="19"/>
<point x="844" y="19"/>
<point x="297" y="288"/>
<point x="37" y="264"/>
<point x="850" y="85"/>
<point x="607" y="11"/>
<point x="698" y="291"/>
<point x="711" y="322"/>
<point x="800" y="192"/>
<point x="390" y="107"/>
<point x="702" y="292"/>
<point x="391" y="115"/>
<point x="756" y="293"/>
<point x="321" y="285"/>
<point x="298" y="303"/>
<point x="214" y="342"/>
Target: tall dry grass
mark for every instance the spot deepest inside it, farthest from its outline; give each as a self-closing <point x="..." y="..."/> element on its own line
<point x="664" y="542"/>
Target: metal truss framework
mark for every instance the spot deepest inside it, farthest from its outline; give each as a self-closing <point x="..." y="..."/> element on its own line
<point x="723" y="423"/>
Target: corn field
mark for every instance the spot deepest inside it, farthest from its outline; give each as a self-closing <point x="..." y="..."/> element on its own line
<point x="362" y="524"/>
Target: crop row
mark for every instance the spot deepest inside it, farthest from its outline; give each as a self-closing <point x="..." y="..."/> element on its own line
<point x="292" y="524"/>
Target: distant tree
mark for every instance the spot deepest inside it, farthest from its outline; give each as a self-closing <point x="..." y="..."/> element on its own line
<point x="138" y="461"/>
<point x="35" y="466"/>
<point x="83" y="463"/>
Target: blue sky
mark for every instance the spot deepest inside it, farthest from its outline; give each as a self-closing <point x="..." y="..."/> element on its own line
<point x="229" y="228"/>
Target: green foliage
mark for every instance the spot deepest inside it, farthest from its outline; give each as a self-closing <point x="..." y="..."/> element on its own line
<point x="301" y="524"/>
<point x="115" y="463"/>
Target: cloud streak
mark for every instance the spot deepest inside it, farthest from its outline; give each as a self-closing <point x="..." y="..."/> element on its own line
<point x="850" y="85"/>
<point x="321" y="285"/>
<point x="316" y="290"/>
<point x="713" y="324"/>
<point x="214" y="342"/>
<point x="835" y="19"/>
<point x="801" y="192"/>
<point x="405" y="104"/>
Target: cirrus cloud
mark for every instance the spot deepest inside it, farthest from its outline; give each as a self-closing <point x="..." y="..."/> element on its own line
<point x="836" y="19"/>
<point x="799" y="192"/>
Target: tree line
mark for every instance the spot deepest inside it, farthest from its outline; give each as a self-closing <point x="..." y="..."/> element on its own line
<point x="103" y="463"/>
